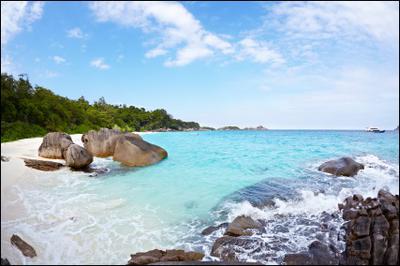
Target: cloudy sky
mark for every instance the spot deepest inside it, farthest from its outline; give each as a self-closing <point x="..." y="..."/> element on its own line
<point x="278" y="64"/>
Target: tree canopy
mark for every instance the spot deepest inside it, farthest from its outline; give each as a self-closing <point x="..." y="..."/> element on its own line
<point x="28" y="111"/>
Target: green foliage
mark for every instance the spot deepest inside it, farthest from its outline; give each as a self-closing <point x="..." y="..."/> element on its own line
<point x="31" y="112"/>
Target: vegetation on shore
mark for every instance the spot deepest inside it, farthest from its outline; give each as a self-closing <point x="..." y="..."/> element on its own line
<point x="28" y="111"/>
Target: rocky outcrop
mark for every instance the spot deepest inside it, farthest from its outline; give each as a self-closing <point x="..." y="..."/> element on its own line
<point x="54" y="145"/>
<point x="372" y="230"/>
<point x="24" y="247"/>
<point x="127" y="148"/>
<point x="58" y="145"/>
<point x="156" y="255"/>
<point x="43" y="165"/>
<point x="317" y="254"/>
<point x="345" y="166"/>
<point x="77" y="157"/>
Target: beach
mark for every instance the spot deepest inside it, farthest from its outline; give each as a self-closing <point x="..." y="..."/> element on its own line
<point x="208" y="178"/>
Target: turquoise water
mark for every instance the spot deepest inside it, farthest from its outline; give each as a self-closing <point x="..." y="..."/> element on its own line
<point x="208" y="178"/>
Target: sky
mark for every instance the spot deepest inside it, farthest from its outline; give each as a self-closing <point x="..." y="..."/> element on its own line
<point x="283" y="65"/>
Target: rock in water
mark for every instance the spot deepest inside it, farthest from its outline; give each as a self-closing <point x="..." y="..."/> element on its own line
<point x="54" y="145"/>
<point x="240" y="226"/>
<point x="77" y="157"/>
<point x="24" y="247"/>
<point x="133" y="151"/>
<point x="228" y="248"/>
<point x="157" y="255"/>
<point x="101" y="143"/>
<point x="43" y="165"/>
<point x="345" y="166"/>
<point x="317" y="254"/>
<point x="211" y="229"/>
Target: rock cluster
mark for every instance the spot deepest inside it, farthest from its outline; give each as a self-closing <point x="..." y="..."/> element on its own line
<point x="344" y="166"/>
<point x="156" y="255"/>
<point x="58" y="145"/>
<point x="127" y="148"/>
<point x="372" y="231"/>
<point x="317" y="254"/>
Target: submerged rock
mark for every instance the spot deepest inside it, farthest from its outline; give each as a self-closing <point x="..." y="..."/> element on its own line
<point x="77" y="157"/>
<point x="127" y="148"/>
<point x="242" y="225"/>
<point x="229" y="248"/>
<point x="209" y="230"/>
<point x="43" y="165"/>
<point x="344" y="166"/>
<point x="24" y="247"/>
<point x="156" y="255"/>
<point x="54" y="145"/>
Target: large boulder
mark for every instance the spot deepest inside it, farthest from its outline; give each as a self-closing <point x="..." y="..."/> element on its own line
<point x="101" y="143"/>
<point x="318" y="254"/>
<point x="344" y="166"/>
<point x="77" y="157"/>
<point x="54" y="145"/>
<point x="127" y="148"/>
<point x="133" y="151"/>
<point x="156" y="255"/>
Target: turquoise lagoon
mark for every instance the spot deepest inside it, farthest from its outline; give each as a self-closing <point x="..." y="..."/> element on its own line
<point x="208" y="178"/>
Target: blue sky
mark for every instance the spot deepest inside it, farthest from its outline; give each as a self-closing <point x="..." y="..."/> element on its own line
<point x="279" y="64"/>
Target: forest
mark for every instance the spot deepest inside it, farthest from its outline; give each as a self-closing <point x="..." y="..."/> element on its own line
<point x="28" y="111"/>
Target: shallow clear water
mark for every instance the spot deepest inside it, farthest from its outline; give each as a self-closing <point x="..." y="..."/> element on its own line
<point x="208" y="177"/>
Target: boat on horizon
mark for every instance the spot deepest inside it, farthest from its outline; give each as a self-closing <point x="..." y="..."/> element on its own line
<point x="374" y="130"/>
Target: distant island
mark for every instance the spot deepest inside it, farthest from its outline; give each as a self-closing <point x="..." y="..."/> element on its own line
<point x="246" y="128"/>
<point x="28" y="111"/>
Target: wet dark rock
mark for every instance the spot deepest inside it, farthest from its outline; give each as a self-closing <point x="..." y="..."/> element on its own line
<point x="372" y="235"/>
<point x="24" y="247"/>
<point x="302" y="258"/>
<point x="5" y="158"/>
<point x="317" y="254"/>
<point x="344" y="166"/>
<point x="242" y="225"/>
<point x="43" y="165"/>
<point x="212" y="229"/>
<point x="156" y="255"/>
<point x="5" y="262"/>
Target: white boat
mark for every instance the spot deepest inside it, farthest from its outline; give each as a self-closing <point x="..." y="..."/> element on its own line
<point x="374" y="130"/>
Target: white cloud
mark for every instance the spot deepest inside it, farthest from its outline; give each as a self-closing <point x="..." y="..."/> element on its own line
<point x="50" y="74"/>
<point x="17" y="15"/>
<point x="99" y="63"/>
<point x="353" y="19"/>
<point x="75" y="33"/>
<point x="6" y="65"/>
<point x="58" y="59"/>
<point x="177" y="27"/>
<point x="258" y="52"/>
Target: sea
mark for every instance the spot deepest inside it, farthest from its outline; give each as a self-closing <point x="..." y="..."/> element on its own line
<point x="209" y="177"/>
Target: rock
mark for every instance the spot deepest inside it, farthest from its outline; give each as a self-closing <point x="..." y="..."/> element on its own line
<point x="317" y="254"/>
<point x="372" y="235"/>
<point x="77" y="157"/>
<point x="227" y="248"/>
<point x="240" y="226"/>
<point x="43" y="165"/>
<point x="54" y="145"/>
<point x="5" y="262"/>
<point x="345" y="166"/>
<point x="5" y="158"/>
<point x="101" y="143"/>
<point x="302" y="258"/>
<point x="127" y="148"/>
<point x="211" y="229"/>
<point x="156" y="255"/>
<point x="24" y="247"/>
<point x="133" y="151"/>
